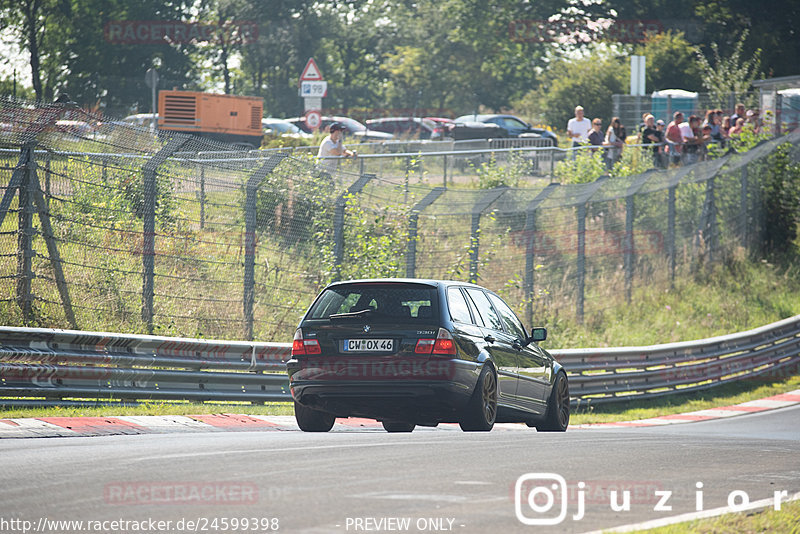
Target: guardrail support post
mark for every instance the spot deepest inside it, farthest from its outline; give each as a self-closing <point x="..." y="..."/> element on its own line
<point x="149" y="186"/>
<point x="250" y="222"/>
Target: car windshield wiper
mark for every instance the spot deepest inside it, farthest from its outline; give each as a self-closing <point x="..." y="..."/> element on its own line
<point x="352" y="315"/>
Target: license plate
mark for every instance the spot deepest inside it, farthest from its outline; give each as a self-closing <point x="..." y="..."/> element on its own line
<point x="367" y="345"/>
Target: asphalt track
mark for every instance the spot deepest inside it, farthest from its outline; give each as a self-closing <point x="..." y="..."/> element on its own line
<point x="433" y="480"/>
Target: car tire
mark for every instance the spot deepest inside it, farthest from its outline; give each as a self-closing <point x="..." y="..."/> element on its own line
<point x="481" y="410"/>
<point x="398" y="426"/>
<point x="311" y="420"/>
<point x="557" y="417"/>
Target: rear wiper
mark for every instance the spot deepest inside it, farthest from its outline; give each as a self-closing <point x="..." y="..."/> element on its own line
<point x="352" y="315"/>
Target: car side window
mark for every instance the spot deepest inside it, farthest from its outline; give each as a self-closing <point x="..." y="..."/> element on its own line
<point x="490" y="317"/>
<point x="510" y="319"/>
<point x="459" y="311"/>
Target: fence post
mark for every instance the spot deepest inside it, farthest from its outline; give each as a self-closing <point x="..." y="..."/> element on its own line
<point x="530" y="247"/>
<point x="149" y="186"/>
<point x="581" y="202"/>
<point x="411" y="250"/>
<point x="628" y="246"/>
<point x="483" y="203"/>
<point x="581" y="262"/>
<point x="671" y="232"/>
<point x="25" y="237"/>
<point x="708" y="221"/>
<point x="444" y="171"/>
<point x="338" y="222"/>
<point x="630" y="213"/>
<point x="744" y="209"/>
<point x="202" y="196"/>
<point x="250" y="222"/>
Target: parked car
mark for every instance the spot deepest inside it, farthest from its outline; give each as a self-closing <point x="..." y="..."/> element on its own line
<point x="410" y="352"/>
<point x="463" y="130"/>
<point x="514" y="126"/>
<point x="443" y="125"/>
<point x="283" y="128"/>
<point x="407" y="127"/>
<point x="354" y="128"/>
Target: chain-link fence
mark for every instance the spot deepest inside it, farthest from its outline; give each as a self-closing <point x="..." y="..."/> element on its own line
<point x="119" y="230"/>
<point x="630" y="108"/>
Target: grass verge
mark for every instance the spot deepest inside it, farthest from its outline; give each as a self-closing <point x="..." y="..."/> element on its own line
<point x="787" y="520"/>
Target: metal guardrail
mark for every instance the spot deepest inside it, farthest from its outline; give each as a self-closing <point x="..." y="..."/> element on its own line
<point x="69" y="364"/>
<point x="48" y="367"/>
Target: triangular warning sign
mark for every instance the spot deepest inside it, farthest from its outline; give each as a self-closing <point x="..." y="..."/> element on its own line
<point x="311" y="73"/>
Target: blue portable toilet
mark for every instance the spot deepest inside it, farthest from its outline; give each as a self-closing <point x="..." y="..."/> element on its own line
<point x="790" y="109"/>
<point x="667" y="101"/>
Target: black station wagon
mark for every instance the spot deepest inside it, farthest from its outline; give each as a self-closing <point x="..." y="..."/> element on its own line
<point x="410" y="352"/>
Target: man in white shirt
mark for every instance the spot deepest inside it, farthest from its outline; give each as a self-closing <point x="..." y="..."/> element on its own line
<point x="578" y="128"/>
<point x="332" y="147"/>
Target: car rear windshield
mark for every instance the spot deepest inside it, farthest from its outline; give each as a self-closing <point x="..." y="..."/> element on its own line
<point x="390" y="302"/>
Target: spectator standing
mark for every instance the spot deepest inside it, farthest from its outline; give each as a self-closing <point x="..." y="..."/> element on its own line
<point x="752" y="118"/>
<point x="692" y="138"/>
<point x="736" y="130"/>
<point x="725" y="127"/>
<point x="651" y="135"/>
<point x="615" y="139"/>
<point x="674" y="138"/>
<point x="739" y="113"/>
<point x="332" y="147"/>
<point x="578" y="128"/>
<point x="596" y="136"/>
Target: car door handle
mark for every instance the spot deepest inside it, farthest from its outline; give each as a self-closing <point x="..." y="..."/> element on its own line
<point x="517" y="345"/>
<point x="489" y="338"/>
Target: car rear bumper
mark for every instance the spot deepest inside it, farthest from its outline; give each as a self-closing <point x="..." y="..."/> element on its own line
<point x="435" y="391"/>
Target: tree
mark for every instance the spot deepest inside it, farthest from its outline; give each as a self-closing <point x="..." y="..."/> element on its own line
<point x="589" y="81"/>
<point x="671" y="62"/>
<point x="730" y="74"/>
<point x="33" y="22"/>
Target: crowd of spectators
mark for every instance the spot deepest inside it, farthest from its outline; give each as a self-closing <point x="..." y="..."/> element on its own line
<point x="683" y="140"/>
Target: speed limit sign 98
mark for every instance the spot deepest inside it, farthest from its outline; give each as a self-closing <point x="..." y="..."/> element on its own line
<point x="313" y="119"/>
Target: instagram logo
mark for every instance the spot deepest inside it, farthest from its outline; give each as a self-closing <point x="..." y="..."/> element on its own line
<point x="539" y="494"/>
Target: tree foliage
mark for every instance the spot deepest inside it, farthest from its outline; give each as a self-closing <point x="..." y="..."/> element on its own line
<point x="455" y="55"/>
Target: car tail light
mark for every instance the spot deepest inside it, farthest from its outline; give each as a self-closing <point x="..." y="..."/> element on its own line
<point x="445" y="345"/>
<point x="301" y="347"/>
<point x="424" y="346"/>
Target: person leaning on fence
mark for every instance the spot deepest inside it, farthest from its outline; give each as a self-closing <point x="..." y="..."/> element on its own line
<point x="332" y="148"/>
<point x="674" y="138"/>
<point x="615" y="139"/>
<point x="596" y="137"/>
<point x="692" y="139"/>
<point x="578" y="129"/>
<point x="651" y="135"/>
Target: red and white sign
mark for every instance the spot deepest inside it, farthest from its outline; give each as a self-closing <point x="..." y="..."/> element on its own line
<point x="313" y="119"/>
<point x="311" y="73"/>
